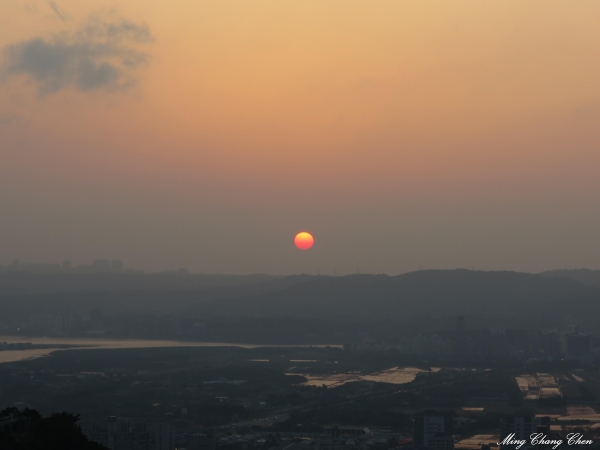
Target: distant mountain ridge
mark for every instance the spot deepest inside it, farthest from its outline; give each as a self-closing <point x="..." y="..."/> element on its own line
<point x="427" y="295"/>
<point x="586" y="276"/>
<point x="429" y="292"/>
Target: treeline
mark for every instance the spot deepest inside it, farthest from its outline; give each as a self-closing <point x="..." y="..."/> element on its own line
<point x="28" y="430"/>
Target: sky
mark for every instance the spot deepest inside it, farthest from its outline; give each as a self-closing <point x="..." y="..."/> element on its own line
<point x="403" y="134"/>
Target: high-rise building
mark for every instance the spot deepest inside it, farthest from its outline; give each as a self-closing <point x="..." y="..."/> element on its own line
<point x="579" y="344"/>
<point x="522" y="427"/>
<point x="117" y="430"/>
<point x="579" y="347"/>
<point x="126" y="435"/>
<point x="116" y="266"/>
<point x="96" y="323"/>
<point x="163" y="436"/>
<point x="433" y="432"/>
<point x="461" y="336"/>
<point x="72" y="322"/>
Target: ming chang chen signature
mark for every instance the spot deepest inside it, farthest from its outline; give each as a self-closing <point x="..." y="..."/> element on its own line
<point x="542" y="439"/>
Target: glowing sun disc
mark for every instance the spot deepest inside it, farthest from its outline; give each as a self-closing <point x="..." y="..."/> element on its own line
<point x="304" y="240"/>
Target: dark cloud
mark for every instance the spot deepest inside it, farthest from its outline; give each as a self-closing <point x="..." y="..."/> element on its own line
<point x="99" y="55"/>
<point x="57" y="10"/>
<point x="97" y="28"/>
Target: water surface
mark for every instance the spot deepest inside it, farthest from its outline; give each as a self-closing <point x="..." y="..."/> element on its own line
<point x="91" y="343"/>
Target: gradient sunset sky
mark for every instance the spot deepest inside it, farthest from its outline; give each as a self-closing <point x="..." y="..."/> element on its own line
<point x="206" y="134"/>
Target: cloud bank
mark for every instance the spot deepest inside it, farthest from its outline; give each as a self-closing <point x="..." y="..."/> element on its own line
<point x="100" y="55"/>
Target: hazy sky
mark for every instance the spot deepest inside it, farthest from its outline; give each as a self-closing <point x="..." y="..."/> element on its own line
<point x="205" y="134"/>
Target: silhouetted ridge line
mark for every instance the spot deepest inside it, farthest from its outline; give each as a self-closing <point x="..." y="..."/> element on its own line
<point x="442" y="292"/>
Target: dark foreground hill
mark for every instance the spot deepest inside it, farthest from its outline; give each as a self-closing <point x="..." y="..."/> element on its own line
<point x="27" y="430"/>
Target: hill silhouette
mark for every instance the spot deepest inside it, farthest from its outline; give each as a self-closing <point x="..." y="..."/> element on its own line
<point x="586" y="276"/>
<point x="493" y="297"/>
<point x="429" y="292"/>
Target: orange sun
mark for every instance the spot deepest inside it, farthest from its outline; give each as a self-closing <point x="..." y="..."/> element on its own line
<point x="304" y="240"/>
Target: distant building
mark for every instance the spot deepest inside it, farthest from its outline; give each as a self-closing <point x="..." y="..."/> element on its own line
<point x="163" y="436"/>
<point x="330" y="444"/>
<point x="96" y="315"/>
<point x="125" y="435"/>
<point x="579" y="344"/>
<point x="72" y="322"/>
<point x="337" y="431"/>
<point x="484" y="344"/>
<point x="201" y="441"/>
<point x="14" y="424"/>
<point x="116" y="266"/>
<point x="461" y="336"/>
<point x="522" y="427"/>
<point x="433" y="432"/>
<point x="441" y="441"/>
<point x="97" y="266"/>
<point x="96" y="322"/>
<point x="117" y="430"/>
<point x="579" y="347"/>
<point x="499" y="346"/>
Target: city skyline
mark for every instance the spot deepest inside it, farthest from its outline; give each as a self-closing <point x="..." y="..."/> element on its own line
<point x="103" y="265"/>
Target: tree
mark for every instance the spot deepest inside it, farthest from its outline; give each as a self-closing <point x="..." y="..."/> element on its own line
<point x="59" y="431"/>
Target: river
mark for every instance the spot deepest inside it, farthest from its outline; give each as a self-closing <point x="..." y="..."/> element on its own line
<point x="91" y="343"/>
